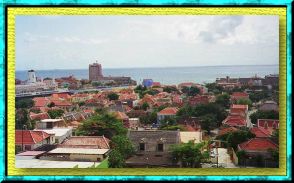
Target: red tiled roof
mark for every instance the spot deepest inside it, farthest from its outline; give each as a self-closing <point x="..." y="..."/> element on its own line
<point x="127" y="96"/>
<point x="156" y="84"/>
<point x="169" y="111"/>
<point x="260" y="132"/>
<point x="258" y="144"/>
<point x="89" y="111"/>
<point x="29" y="136"/>
<point x="237" y="110"/>
<point x="39" y="116"/>
<point x="238" y="106"/>
<point x="61" y="95"/>
<point x="239" y="94"/>
<point x="268" y="123"/>
<point x="235" y="121"/>
<point x="99" y="142"/>
<point x="190" y="128"/>
<point x="61" y="103"/>
<point x="227" y="130"/>
<point x="41" y="101"/>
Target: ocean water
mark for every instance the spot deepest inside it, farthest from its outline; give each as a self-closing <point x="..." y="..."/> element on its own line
<point x="170" y="75"/>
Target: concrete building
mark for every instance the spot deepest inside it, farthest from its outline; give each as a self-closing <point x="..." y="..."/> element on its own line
<point x="152" y="148"/>
<point x="50" y="123"/>
<point x="95" y="72"/>
<point x="32" y="76"/>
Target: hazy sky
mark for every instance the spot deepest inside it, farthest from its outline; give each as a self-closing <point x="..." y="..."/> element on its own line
<point x="73" y="42"/>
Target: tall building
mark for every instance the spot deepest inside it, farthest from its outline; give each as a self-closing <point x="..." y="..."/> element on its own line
<point x="32" y="76"/>
<point x="95" y="72"/>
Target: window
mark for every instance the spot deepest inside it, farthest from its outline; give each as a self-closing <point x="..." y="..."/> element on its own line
<point x="160" y="147"/>
<point x="142" y="147"/>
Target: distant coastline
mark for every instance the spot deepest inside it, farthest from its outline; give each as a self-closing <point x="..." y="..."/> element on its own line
<point x="159" y="67"/>
<point x="167" y="75"/>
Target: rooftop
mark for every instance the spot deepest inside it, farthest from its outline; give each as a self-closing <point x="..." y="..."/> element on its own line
<point x="30" y="136"/>
<point x="78" y="151"/>
<point x="57" y="131"/>
<point x="169" y="111"/>
<point x="94" y="142"/>
<point x="258" y="144"/>
<point x="50" y="120"/>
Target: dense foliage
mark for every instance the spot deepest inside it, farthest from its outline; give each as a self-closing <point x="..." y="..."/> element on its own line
<point x="122" y="148"/>
<point x="214" y="88"/>
<point x="263" y="115"/>
<point x="188" y="154"/>
<point x="56" y="113"/>
<point x="223" y="100"/>
<point x="237" y="137"/>
<point x="101" y="124"/>
<point x="24" y="103"/>
<point x="190" y="91"/>
<point x="112" y="96"/>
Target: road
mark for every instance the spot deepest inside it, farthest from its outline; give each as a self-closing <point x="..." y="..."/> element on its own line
<point x="224" y="159"/>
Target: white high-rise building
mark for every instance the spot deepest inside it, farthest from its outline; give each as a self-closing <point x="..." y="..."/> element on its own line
<point x="32" y="76"/>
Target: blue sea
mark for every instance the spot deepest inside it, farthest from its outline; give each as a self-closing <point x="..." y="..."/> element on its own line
<point x="168" y="75"/>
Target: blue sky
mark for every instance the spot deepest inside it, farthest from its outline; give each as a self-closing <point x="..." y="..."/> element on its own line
<point x="73" y="42"/>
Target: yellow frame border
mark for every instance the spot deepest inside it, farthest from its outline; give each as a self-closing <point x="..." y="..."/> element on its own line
<point x="12" y="12"/>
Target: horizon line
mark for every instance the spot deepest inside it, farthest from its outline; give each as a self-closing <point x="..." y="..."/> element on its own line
<point x="152" y="67"/>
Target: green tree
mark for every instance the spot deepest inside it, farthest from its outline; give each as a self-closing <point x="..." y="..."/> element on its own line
<point x="21" y="118"/>
<point x="274" y="154"/>
<point x="237" y="137"/>
<point x="241" y="157"/>
<point x="214" y="88"/>
<point x="190" y="91"/>
<point x="258" y="96"/>
<point x="51" y="104"/>
<point x="81" y="104"/>
<point x="185" y="111"/>
<point x="101" y="124"/>
<point x="112" y="96"/>
<point x="24" y="103"/>
<point x="170" y="89"/>
<point x="123" y="145"/>
<point x="173" y="128"/>
<point x="208" y="122"/>
<point x="211" y="108"/>
<point x="145" y="106"/>
<point x="188" y="154"/>
<point x="244" y="101"/>
<point x="115" y="159"/>
<point x="263" y="115"/>
<point x="56" y="113"/>
<point x="223" y="100"/>
<point x="168" y="121"/>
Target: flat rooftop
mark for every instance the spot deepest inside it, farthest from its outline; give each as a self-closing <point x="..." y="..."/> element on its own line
<point x="50" y="120"/>
<point x="37" y="163"/>
<point x="78" y="151"/>
<point x="30" y="153"/>
<point x="56" y="131"/>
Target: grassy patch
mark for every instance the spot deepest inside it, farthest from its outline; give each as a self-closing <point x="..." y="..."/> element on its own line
<point x="103" y="164"/>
